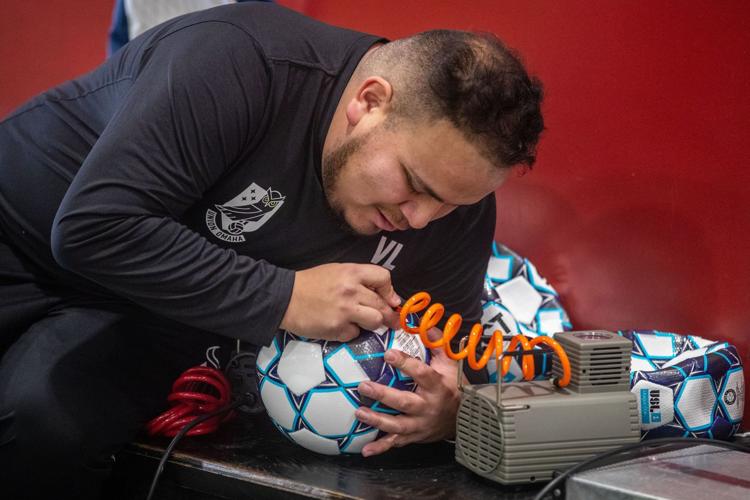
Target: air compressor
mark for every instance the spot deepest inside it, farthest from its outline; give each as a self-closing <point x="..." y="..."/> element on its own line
<point x="525" y="431"/>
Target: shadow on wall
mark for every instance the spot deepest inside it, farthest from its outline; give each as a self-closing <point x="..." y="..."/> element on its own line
<point x="622" y="270"/>
<point x="617" y="268"/>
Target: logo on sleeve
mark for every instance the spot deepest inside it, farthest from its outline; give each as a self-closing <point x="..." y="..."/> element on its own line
<point x="244" y="213"/>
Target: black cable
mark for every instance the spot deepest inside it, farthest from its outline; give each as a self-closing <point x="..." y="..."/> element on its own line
<point x="552" y="485"/>
<point x="179" y="436"/>
<point x="240" y="371"/>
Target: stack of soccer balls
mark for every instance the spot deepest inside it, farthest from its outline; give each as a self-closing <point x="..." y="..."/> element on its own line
<point x="309" y="387"/>
<point x="684" y="385"/>
<point x="517" y="299"/>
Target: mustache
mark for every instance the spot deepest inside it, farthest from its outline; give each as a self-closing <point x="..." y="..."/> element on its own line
<point x="393" y="215"/>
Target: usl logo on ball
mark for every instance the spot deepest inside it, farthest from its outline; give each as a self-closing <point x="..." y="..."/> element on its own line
<point x="309" y="387"/>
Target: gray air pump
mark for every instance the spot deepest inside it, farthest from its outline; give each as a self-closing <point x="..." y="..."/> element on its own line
<point x="522" y="432"/>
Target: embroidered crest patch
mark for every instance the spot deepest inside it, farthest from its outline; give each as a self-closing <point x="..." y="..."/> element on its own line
<point x="244" y="213"/>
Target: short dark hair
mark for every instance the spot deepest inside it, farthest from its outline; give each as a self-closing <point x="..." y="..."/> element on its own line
<point x="474" y="81"/>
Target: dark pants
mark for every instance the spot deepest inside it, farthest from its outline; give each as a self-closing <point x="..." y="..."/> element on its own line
<point x="79" y="377"/>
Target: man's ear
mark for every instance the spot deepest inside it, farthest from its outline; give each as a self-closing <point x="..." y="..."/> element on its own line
<point x="373" y="98"/>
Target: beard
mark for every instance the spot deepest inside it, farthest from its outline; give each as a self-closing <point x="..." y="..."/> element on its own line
<point x="334" y="164"/>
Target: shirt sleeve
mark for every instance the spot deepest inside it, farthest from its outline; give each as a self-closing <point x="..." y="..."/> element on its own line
<point x="195" y="107"/>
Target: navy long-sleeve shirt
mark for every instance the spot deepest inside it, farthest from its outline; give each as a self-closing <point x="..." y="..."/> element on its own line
<point x="184" y="175"/>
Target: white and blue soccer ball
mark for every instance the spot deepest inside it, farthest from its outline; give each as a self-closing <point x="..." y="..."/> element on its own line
<point x="309" y="387"/>
<point x="517" y="299"/>
<point x="686" y="385"/>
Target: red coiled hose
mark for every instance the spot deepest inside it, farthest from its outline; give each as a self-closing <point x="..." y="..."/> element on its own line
<point x="198" y="391"/>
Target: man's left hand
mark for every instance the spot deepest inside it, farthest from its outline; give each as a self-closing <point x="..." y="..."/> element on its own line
<point x="427" y="415"/>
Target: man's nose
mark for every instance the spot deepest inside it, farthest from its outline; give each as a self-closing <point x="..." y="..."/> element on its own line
<point x="421" y="211"/>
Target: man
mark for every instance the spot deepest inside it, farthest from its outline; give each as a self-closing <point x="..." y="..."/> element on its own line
<point x="229" y="173"/>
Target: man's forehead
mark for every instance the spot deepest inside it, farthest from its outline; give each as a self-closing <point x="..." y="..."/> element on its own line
<point x="446" y="165"/>
<point x="458" y="183"/>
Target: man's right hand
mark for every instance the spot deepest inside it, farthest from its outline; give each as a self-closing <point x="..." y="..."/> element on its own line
<point x="333" y="300"/>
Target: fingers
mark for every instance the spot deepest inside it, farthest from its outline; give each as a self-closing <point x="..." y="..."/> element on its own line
<point x="371" y="299"/>
<point x="434" y="334"/>
<point x="394" y="424"/>
<point x="403" y="401"/>
<point x="367" y="317"/>
<point x="332" y="301"/>
<point x="424" y="376"/>
<point x="382" y="445"/>
<point x="379" y="280"/>
<point x="346" y="333"/>
<point x="428" y="414"/>
<point x="401" y="430"/>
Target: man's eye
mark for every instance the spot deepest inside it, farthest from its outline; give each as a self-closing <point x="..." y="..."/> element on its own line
<point x="410" y="182"/>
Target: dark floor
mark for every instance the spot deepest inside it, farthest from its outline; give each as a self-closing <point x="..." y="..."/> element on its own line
<point x="249" y="458"/>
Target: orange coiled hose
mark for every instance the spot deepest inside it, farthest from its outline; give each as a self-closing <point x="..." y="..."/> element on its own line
<point x="419" y="301"/>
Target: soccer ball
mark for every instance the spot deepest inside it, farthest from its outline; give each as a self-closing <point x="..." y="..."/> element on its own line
<point x="309" y="387"/>
<point x="517" y="299"/>
<point x="686" y="385"/>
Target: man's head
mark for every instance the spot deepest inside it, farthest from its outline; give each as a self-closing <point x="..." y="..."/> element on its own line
<point x="425" y="124"/>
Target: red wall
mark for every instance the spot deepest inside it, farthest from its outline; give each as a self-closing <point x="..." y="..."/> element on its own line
<point x="45" y="43"/>
<point x="637" y="209"/>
